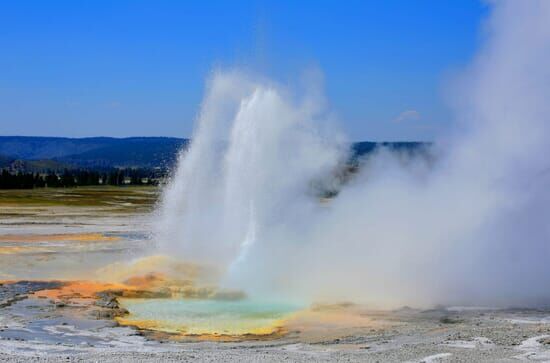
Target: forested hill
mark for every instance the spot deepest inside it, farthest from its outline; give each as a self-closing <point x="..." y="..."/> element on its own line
<point x="58" y="153"/>
<point x="93" y="152"/>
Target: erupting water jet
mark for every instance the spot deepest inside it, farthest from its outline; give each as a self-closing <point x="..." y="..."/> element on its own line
<point x="469" y="228"/>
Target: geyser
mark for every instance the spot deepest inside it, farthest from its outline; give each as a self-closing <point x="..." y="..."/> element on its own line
<point x="472" y="228"/>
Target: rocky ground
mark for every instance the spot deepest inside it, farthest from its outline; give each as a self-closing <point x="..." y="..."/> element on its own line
<point x="35" y="328"/>
<point x="71" y="234"/>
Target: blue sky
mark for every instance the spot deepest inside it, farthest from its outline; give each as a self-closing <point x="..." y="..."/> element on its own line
<point x="129" y="68"/>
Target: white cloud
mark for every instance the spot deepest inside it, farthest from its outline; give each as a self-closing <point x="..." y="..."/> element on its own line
<point x="408" y="115"/>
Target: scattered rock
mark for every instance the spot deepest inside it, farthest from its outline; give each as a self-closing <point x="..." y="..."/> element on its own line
<point x="545" y="341"/>
<point x="17" y="291"/>
<point x="449" y="320"/>
<point x="107" y="300"/>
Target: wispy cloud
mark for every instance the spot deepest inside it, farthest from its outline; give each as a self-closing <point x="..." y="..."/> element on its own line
<point x="408" y="115"/>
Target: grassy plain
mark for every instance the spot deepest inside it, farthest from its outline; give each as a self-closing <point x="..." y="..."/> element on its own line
<point x="140" y="197"/>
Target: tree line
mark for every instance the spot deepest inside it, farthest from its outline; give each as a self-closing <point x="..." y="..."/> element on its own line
<point x="73" y="178"/>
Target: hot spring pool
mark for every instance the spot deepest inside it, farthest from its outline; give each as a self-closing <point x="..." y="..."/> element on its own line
<point x="207" y="316"/>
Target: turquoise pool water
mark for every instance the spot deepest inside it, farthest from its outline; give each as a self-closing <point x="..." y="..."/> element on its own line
<point x="207" y="316"/>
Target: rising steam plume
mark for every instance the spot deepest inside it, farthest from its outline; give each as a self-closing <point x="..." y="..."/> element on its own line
<point x="471" y="228"/>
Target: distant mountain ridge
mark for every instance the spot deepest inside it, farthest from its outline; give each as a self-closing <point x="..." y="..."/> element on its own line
<point x="34" y="153"/>
<point x="92" y="152"/>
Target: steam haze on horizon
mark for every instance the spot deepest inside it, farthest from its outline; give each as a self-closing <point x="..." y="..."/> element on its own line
<point x="470" y="229"/>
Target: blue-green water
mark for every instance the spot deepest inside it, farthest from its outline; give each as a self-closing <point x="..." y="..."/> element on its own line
<point x="208" y="316"/>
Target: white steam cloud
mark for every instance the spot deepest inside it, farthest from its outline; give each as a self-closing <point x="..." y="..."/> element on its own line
<point x="471" y="228"/>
